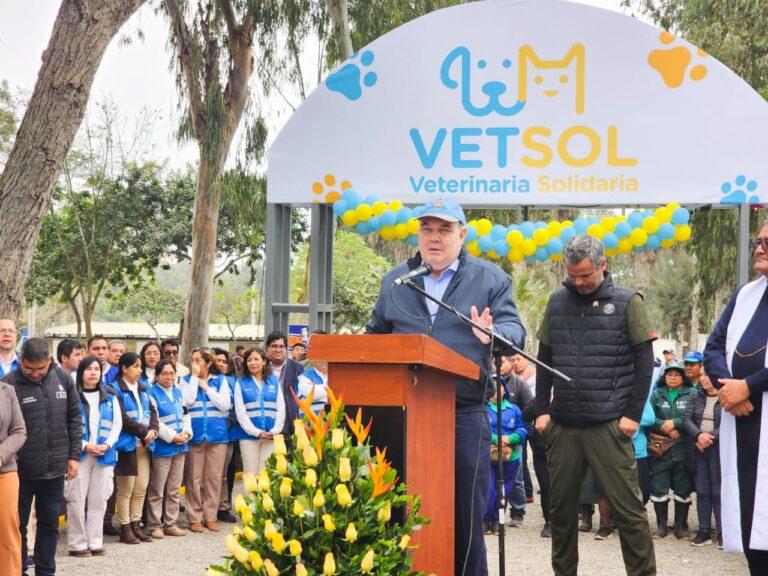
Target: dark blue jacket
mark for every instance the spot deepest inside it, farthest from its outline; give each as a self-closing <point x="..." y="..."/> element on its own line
<point x="475" y="283"/>
<point x="289" y="380"/>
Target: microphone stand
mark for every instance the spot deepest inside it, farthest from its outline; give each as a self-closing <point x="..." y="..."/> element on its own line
<point x="500" y="347"/>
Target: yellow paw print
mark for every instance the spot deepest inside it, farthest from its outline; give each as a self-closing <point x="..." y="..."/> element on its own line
<point x="672" y="63"/>
<point x="326" y="190"/>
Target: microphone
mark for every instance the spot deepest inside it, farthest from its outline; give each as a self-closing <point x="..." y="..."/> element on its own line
<point x="422" y="270"/>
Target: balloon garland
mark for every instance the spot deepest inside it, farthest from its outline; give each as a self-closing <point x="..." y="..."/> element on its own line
<point x="529" y="241"/>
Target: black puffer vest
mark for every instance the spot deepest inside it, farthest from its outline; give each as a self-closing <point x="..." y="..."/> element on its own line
<point x="589" y="341"/>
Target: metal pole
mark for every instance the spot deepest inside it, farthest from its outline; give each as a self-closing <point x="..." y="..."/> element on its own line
<point x="742" y="246"/>
<point x="500" y="496"/>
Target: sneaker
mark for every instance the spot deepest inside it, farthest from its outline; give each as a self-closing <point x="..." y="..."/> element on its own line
<point x="157" y="534"/>
<point x="99" y="552"/>
<point x="212" y="526"/>
<point x="174" y="531"/>
<point x="515" y="521"/>
<point x="196" y="527"/>
<point x="700" y="539"/>
<point x="603" y="533"/>
<point x="226" y="516"/>
<point x="80" y="553"/>
<point x="546" y="532"/>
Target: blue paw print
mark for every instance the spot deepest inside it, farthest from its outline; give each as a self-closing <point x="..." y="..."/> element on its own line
<point x="350" y="79"/>
<point x="736" y="193"/>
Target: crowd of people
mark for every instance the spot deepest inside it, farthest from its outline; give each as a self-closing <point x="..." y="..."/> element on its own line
<point x="103" y="433"/>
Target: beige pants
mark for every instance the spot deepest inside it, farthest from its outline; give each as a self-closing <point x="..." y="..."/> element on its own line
<point x="10" y="537"/>
<point x="255" y="454"/>
<point x="163" y="492"/>
<point x="85" y="528"/>
<point x="131" y="490"/>
<point x="223" y="496"/>
<point x="202" y="480"/>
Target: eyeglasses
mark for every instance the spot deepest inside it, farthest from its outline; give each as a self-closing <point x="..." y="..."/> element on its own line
<point x="8" y="331"/>
<point x="28" y="370"/>
<point x="171" y="352"/>
<point x="763" y="242"/>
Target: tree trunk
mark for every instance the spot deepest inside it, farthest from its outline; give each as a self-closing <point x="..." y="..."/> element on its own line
<point x="76" y="312"/>
<point x="88" y="317"/>
<point x="81" y="34"/>
<point x="340" y="19"/>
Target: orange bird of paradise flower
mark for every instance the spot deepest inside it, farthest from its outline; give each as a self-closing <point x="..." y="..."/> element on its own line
<point x="356" y="426"/>
<point x="378" y="473"/>
<point x="337" y="404"/>
<point x="318" y="426"/>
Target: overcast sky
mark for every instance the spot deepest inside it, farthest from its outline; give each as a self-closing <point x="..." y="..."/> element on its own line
<point x="134" y="75"/>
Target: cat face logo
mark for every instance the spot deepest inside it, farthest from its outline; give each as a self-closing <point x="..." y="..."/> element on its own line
<point x="552" y="78"/>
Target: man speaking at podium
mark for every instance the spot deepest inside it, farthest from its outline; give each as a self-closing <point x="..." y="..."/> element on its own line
<point x="484" y="290"/>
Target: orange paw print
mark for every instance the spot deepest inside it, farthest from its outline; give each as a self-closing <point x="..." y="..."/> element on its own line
<point x="672" y="63"/>
<point x="326" y="190"/>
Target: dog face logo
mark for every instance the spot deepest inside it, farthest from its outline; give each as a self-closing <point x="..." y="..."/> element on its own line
<point x="459" y="71"/>
<point x="552" y="77"/>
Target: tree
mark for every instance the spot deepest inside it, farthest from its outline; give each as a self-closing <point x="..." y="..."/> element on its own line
<point x="232" y="306"/>
<point x="8" y="119"/>
<point x="151" y="303"/>
<point x="81" y="33"/>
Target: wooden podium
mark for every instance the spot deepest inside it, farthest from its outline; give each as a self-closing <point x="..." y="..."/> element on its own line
<point x="406" y="382"/>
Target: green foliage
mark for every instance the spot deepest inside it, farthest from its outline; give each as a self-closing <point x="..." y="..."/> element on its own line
<point x="296" y="516"/>
<point x="8" y="119"/>
<point x="232" y="306"/>
<point x="151" y="302"/>
<point x="668" y="298"/>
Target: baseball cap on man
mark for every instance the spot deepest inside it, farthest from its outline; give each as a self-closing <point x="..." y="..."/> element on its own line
<point x="694" y="356"/>
<point x="444" y="209"/>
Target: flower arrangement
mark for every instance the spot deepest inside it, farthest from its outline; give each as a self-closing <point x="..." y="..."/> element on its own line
<point x="325" y="508"/>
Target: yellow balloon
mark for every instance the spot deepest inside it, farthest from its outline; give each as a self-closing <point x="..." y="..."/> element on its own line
<point x="395" y="205"/>
<point x="515" y="255"/>
<point x="625" y="246"/>
<point x="401" y="231"/>
<point x="541" y="237"/>
<point x="566" y="224"/>
<point x="484" y="226"/>
<point x="668" y="243"/>
<point x="413" y="226"/>
<point x="682" y="232"/>
<point x="473" y="248"/>
<point x="672" y="206"/>
<point x="611" y="251"/>
<point x="528" y="247"/>
<point x="493" y="255"/>
<point x="638" y="237"/>
<point x="364" y="212"/>
<point x="379" y="207"/>
<point x="651" y="224"/>
<point x="596" y="230"/>
<point x="387" y="232"/>
<point x="663" y="215"/>
<point x="515" y="238"/>
<point x="619" y="218"/>
<point x="554" y="228"/>
<point x="472" y="223"/>
<point x="608" y="223"/>
<point x="349" y="218"/>
<point x="556" y="257"/>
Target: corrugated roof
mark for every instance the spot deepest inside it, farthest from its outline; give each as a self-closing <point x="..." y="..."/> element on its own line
<point x="166" y="330"/>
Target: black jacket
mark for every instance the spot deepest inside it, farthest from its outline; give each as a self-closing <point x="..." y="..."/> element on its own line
<point x="289" y="378"/>
<point x="51" y="410"/>
<point x="694" y="411"/>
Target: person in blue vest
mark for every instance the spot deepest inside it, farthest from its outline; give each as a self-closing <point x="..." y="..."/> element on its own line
<point x="260" y="410"/>
<point x="150" y="355"/>
<point x="315" y="376"/>
<point x="175" y="432"/>
<point x="513" y="431"/>
<point x="228" y="369"/>
<point x="88" y="492"/>
<point x="140" y="427"/>
<point x="206" y="394"/>
<point x="9" y="360"/>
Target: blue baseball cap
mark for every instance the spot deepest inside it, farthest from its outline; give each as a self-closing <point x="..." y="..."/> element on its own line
<point x="444" y="209"/>
<point x="694" y="356"/>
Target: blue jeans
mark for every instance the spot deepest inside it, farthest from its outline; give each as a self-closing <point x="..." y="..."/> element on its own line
<point x="708" y="489"/>
<point x="517" y="497"/>
<point x="510" y="471"/>
<point x="49" y="497"/>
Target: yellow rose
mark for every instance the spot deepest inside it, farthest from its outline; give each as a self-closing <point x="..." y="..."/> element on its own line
<point x="367" y="564"/>
<point x="298" y="509"/>
<point x="280" y="448"/>
<point x="329" y="566"/>
<point x="310" y="477"/>
<point x="309" y="455"/>
<point x="234" y="548"/>
<point x="342" y="495"/>
<point x="249" y="482"/>
<point x="295" y="547"/>
<point x="271" y="568"/>
<point x="269" y="529"/>
<point x="236" y="531"/>
<point x="404" y="541"/>
<point x="239" y="502"/>
<point x="267" y="502"/>
<point x="281" y="465"/>
<point x="300" y="570"/>
<point x="246" y="515"/>
<point x="384" y="513"/>
<point x="249" y="533"/>
<point x="263" y="481"/>
<point x="285" y="487"/>
<point x="337" y="438"/>
<point x="256" y="561"/>
<point x="278" y="543"/>
<point x="345" y="469"/>
<point x="351" y="533"/>
<point x="319" y="500"/>
<point x="302" y="439"/>
<point x="328" y="523"/>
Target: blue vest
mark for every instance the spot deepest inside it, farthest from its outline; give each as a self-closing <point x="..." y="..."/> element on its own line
<point x="14" y="365"/>
<point x="317" y="379"/>
<point x="106" y="413"/>
<point x="128" y="442"/>
<point x="234" y="431"/>
<point x="169" y="412"/>
<point x="260" y="402"/>
<point x="208" y="422"/>
<point x="110" y="376"/>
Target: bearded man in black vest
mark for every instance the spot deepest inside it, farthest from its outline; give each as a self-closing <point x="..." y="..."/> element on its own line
<point x="598" y="334"/>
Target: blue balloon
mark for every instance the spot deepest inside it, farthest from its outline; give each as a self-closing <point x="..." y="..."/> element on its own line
<point x="580" y="225"/>
<point x="666" y="231"/>
<point x="654" y="242"/>
<point x="388" y="218"/>
<point x="404" y="214"/>
<point x="622" y="229"/>
<point x="374" y="224"/>
<point x="635" y="219"/>
<point x="362" y="228"/>
<point x="610" y="240"/>
<point x="527" y="228"/>
<point x="540" y="224"/>
<point x="339" y="207"/>
<point x="681" y="216"/>
<point x="352" y="198"/>
<point x="541" y="254"/>
<point x="594" y="220"/>
<point x="417" y="211"/>
<point x="555" y="246"/>
<point x="513" y="227"/>
<point x="371" y="199"/>
<point x="567" y="233"/>
<point x="485" y="242"/>
<point x="530" y="258"/>
<point x="498" y="232"/>
<point x="413" y="240"/>
<point x="501" y="247"/>
<point x="471" y="233"/>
